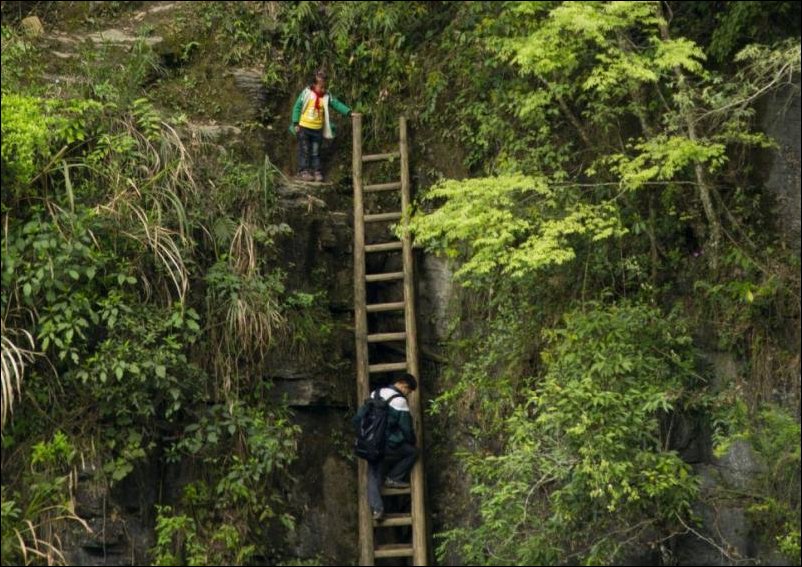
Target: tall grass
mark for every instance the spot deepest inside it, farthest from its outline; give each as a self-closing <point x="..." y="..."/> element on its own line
<point x="14" y="357"/>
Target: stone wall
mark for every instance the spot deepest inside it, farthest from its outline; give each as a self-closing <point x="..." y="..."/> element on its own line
<point x="779" y="117"/>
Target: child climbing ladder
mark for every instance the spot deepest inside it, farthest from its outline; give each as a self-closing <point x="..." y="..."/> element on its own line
<point x="413" y="495"/>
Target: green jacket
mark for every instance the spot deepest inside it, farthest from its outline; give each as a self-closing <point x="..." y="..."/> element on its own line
<point x="399" y="420"/>
<point x="328" y="100"/>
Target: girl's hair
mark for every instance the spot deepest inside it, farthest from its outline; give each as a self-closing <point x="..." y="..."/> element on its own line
<point x="321" y="73"/>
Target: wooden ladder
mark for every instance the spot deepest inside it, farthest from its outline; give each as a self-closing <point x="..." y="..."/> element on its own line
<point x="416" y="516"/>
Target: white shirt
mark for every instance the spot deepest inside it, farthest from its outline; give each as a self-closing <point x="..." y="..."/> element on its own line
<point x="399" y="403"/>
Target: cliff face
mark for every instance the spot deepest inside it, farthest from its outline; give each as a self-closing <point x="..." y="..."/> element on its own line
<point x="780" y="119"/>
<point x="320" y="386"/>
<point x="320" y="389"/>
<point x="724" y="517"/>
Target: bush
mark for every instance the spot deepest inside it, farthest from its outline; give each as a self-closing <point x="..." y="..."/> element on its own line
<point x="26" y="139"/>
<point x="586" y="472"/>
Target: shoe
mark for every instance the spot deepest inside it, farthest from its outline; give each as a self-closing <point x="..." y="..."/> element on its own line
<point x="390" y="483"/>
<point x="305" y="176"/>
<point x="318" y="176"/>
<point x="378" y="515"/>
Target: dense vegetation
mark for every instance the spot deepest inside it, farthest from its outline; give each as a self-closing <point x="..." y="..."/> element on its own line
<point x="621" y="134"/>
<point x="610" y="226"/>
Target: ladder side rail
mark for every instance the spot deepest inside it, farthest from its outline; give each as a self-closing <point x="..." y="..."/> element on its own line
<point x="361" y="330"/>
<point x="418" y="506"/>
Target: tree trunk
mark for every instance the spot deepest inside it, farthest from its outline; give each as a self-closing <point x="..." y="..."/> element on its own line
<point x="702" y="181"/>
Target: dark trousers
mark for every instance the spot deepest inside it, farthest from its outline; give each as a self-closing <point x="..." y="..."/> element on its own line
<point x="399" y="461"/>
<point x="309" y="142"/>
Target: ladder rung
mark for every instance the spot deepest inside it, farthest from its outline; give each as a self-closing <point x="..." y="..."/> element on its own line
<point x="379" y="157"/>
<point x="390" y="520"/>
<point x="386" y="337"/>
<point x="382" y="187"/>
<point x="382" y="217"/>
<point x="393" y="550"/>
<point x="399" y="306"/>
<point x="384" y="246"/>
<point x="384" y="277"/>
<point x="389" y="367"/>
<point x="394" y="491"/>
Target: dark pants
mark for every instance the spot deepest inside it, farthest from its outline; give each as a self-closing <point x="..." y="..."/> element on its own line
<point x="309" y="142"/>
<point x="399" y="460"/>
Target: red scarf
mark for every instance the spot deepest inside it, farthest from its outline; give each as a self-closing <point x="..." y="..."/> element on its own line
<point x="318" y="96"/>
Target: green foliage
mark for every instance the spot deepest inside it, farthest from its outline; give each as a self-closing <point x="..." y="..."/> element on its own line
<point x="742" y="22"/>
<point x="499" y="122"/>
<point x="111" y="80"/>
<point x="309" y="325"/>
<point x="20" y="61"/>
<point x="247" y="308"/>
<point x="172" y="529"/>
<point x="180" y="541"/>
<point x="56" y="453"/>
<point x="585" y="471"/>
<point x="512" y="225"/>
<point x="771" y="499"/>
<point x="120" y="270"/>
<point x="490" y="365"/>
<point x="597" y="66"/>
<point x="615" y="118"/>
<point x="26" y="135"/>
<point x="41" y="506"/>
<point x="369" y="39"/>
<point x="85" y="294"/>
<point x="574" y="119"/>
<point x="741" y="303"/>
<point x="243" y="449"/>
<point x="10" y="515"/>
<point x="143" y="292"/>
<point x="789" y="542"/>
<point x="662" y="158"/>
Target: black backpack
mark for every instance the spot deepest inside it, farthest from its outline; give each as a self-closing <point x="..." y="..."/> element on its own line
<point x="370" y="435"/>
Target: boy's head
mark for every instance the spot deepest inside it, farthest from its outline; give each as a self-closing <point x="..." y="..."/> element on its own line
<point x="406" y="383"/>
<point x="319" y="80"/>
